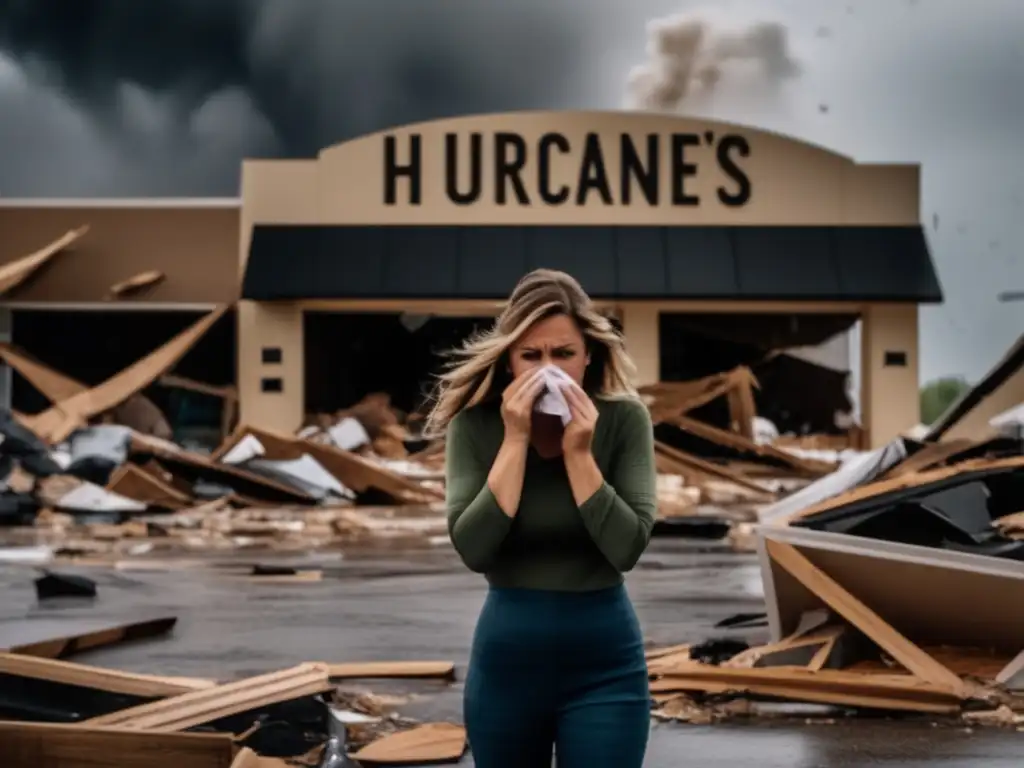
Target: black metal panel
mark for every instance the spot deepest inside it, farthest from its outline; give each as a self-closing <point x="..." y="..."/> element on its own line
<point x="586" y="253"/>
<point x="491" y="261"/>
<point x="700" y="262"/>
<point x="640" y="264"/>
<point x="352" y="258"/>
<point x="272" y="247"/>
<point x="422" y="261"/>
<point x="479" y="262"/>
<point x="786" y="263"/>
<point x="886" y="263"/>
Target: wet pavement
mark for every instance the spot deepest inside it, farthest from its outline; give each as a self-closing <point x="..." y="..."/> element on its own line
<point x="422" y="605"/>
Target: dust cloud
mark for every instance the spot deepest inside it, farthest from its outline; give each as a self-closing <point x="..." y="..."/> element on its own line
<point x="694" y="58"/>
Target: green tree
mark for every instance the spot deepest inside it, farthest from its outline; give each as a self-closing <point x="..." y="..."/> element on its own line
<point x="937" y="395"/>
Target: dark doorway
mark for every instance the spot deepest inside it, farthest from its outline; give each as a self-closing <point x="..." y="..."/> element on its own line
<point x="91" y="346"/>
<point x="350" y="355"/>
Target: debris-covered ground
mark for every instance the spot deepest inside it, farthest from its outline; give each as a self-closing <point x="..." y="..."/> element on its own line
<point x="421" y="606"/>
<point x="293" y="597"/>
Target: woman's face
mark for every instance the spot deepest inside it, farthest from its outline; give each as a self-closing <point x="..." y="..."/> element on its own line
<point x="556" y="341"/>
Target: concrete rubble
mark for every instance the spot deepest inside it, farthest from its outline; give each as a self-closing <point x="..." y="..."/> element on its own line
<point x="891" y="576"/>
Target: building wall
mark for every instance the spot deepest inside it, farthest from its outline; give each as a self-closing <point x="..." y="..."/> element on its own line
<point x="890" y="400"/>
<point x="793" y="183"/>
<point x="280" y="192"/>
<point x="194" y="244"/>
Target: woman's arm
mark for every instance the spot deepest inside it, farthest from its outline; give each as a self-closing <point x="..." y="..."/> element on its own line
<point x="482" y="500"/>
<point x="619" y="511"/>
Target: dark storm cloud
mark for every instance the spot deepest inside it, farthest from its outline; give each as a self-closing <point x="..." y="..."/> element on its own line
<point x="167" y="95"/>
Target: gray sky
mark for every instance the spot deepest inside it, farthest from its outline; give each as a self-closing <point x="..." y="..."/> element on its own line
<point x="169" y="101"/>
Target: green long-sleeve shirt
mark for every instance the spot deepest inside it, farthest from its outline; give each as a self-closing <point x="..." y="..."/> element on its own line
<point x="553" y="543"/>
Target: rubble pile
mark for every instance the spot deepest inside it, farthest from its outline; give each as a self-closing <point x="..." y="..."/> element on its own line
<point x="714" y="481"/>
<point x="97" y="475"/>
<point x="891" y="584"/>
<point x="58" y="712"/>
<point x="110" y="490"/>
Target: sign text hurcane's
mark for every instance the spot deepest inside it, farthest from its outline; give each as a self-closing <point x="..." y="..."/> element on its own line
<point x="552" y="170"/>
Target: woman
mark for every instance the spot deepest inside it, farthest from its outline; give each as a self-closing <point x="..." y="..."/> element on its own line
<point x="553" y="516"/>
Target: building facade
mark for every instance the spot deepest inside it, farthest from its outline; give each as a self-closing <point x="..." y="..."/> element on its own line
<point x="669" y="223"/>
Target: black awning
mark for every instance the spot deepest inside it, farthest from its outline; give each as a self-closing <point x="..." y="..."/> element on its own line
<point x="289" y="262"/>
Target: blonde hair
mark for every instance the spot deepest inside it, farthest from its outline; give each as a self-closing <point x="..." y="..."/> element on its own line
<point x="478" y="372"/>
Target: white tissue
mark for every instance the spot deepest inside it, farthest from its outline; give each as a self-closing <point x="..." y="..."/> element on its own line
<point x="552" y="401"/>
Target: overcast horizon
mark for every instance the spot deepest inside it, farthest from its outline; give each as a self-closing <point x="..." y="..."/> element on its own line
<point x="113" y="100"/>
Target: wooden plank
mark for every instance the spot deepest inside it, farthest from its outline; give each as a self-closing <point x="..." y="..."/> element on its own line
<point x="808" y="467"/>
<point x="52" y="384"/>
<point x="135" y="283"/>
<point x="39" y="745"/>
<point x="353" y="470"/>
<point x="431" y="743"/>
<point x="863" y="618"/>
<point x="903" y="482"/>
<point x="199" y="707"/>
<point x="98" y="678"/>
<point x="62" y="647"/>
<point x="928" y="457"/>
<point x="895" y="692"/>
<point x="438" y="670"/>
<point x="178" y="460"/>
<point x="16" y="272"/>
<point x="714" y="470"/>
<point x="134" y="482"/>
<point x="668" y="650"/>
<point x="750" y="657"/>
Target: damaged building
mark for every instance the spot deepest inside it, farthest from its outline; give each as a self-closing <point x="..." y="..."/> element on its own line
<point x="344" y="274"/>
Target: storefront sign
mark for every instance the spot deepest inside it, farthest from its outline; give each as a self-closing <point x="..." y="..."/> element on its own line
<point x="552" y="169"/>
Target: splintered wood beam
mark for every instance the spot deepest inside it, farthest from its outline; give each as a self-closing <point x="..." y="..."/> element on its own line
<point x="35" y="745"/>
<point x="863" y="618"/>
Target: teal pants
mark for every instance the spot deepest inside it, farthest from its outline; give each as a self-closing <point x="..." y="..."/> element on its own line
<point x="560" y="672"/>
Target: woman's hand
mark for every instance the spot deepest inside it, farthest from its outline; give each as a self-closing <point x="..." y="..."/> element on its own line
<point x="517" y="404"/>
<point x="579" y="432"/>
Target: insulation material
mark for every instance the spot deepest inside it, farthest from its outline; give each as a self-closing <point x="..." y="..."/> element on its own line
<point x="88" y="497"/>
<point x="853" y="473"/>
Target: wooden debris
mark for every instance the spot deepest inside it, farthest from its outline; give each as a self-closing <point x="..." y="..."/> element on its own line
<point x="182" y="461"/>
<point x="866" y="620"/>
<point x="42" y="745"/>
<point x="911" y="480"/>
<point x="806" y="467"/>
<point x="188" y="710"/>
<point x="895" y="692"/>
<point x="432" y="743"/>
<point x="17" y="272"/>
<point x="135" y="283"/>
<point x="137" y="483"/>
<point x="62" y="647"/>
<point x="353" y="470"/>
<point x="437" y="670"/>
<point x="677" y="398"/>
<point x="98" y="678"/>
<point x="707" y="468"/>
<point x="67" y="415"/>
